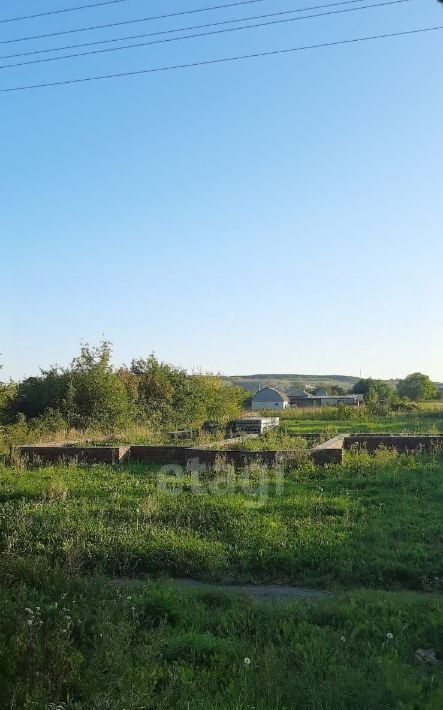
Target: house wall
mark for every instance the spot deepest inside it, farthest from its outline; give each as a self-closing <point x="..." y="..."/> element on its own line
<point x="323" y="401"/>
<point x="257" y="406"/>
<point x="304" y="402"/>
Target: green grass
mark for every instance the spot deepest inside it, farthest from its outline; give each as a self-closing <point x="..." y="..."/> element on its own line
<point x="82" y="629"/>
<point x="94" y="645"/>
<point x="337" y="420"/>
<point x="372" y="522"/>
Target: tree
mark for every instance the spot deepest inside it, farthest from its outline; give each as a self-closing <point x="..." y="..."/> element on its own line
<point x="417" y="387"/>
<point x="337" y="390"/>
<point x="373" y="390"/>
<point x="169" y="396"/>
<point x="7" y="394"/>
<point x="90" y="392"/>
<point x="157" y="385"/>
<point x="35" y="395"/>
<point x="97" y="393"/>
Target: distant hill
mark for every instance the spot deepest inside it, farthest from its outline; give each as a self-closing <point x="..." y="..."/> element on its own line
<point x="252" y="383"/>
<point x="287" y="382"/>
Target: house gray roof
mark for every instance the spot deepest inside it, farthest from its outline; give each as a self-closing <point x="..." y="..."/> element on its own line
<point x="301" y="393"/>
<point x="268" y="394"/>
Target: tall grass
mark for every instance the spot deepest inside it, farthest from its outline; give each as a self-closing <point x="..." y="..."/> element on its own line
<point x="88" y="620"/>
<point x="375" y="521"/>
<point x="333" y="420"/>
<point x="87" y="644"/>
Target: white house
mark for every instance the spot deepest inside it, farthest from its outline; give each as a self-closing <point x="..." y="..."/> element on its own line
<point x="269" y="398"/>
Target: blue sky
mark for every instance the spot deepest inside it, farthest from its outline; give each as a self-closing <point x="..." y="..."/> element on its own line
<point x="274" y="215"/>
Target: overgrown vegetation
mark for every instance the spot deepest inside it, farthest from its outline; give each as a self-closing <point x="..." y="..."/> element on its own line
<point x="88" y="644"/>
<point x="87" y="622"/>
<point x="81" y="630"/>
<point x="419" y="418"/>
<point x="416" y="388"/>
<point x="92" y="395"/>
<point x="375" y="521"/>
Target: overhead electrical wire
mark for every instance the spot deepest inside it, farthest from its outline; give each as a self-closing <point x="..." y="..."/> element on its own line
<point x="203" y="34"/>
<point x="180" y="29"/>
<point x="222" y="60"/>
<point x="131" y="22"/>
<point x="63" y="11"/>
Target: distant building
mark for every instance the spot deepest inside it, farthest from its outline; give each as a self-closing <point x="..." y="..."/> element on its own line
<point x="346" y="400"/>
<point x="320" y="392"/>
<point x="300" y="397"/>
<point x="255" y="425"/>
<point x="301" y="393"/>
<point x="269" y="398"/>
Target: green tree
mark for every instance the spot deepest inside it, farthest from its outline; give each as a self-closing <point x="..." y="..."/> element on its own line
<point x="337" y="390"/>
<point x="98" y="396"/>
<point x="7" y="394"/>
<point x="417" y="387"/>
<point x="36" y="395"/>
<point x="168" y="395"/>
<point x="221" y="402"/>
<point x="373" y="390"/>
<point x="158" y="385"/>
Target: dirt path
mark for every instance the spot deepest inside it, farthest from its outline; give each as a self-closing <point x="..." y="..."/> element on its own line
<point x="266" y="592"/>
<point x="261" y="592"/>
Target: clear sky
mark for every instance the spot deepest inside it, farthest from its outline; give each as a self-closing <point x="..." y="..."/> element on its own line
<point x="280" y="214"/>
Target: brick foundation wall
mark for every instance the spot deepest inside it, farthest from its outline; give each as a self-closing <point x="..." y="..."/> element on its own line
<point x="181" y="456"/>
<point x="330" y="452"/>
<point x="84" y="454"/>
<point x="402" y="443"/>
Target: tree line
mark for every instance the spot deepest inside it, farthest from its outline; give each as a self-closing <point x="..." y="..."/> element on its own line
<point x="416" y="387"/>
<point x="90" y="392"/>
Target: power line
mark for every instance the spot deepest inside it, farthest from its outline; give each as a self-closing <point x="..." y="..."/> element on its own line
<point x="202" y="34"/>
<point x="179" y="29"/>
<point x="222" y="60"/>
<point x="62" y="11"/>
<point x="130" y="22"/>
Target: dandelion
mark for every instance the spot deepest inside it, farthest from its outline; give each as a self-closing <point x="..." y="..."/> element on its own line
<point x="389" y="636"/>
<point x="343" y="638"/>
<point x="247" y="661"/>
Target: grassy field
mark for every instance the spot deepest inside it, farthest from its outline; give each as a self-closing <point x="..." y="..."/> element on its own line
<point x="337" y="420"/>
<point x="373" y="522"/>
<point x="89" y="619"/>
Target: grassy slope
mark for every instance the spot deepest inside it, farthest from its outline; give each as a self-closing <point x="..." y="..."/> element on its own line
<point x="286" y="382"/>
